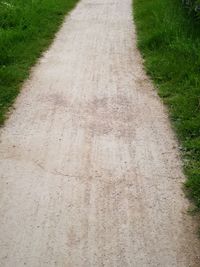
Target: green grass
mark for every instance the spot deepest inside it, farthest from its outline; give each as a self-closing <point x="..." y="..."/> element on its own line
<point x="27" y="27"/>
<point x="169" y="41"/>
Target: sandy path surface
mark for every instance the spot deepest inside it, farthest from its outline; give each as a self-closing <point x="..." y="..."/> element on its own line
<point x="90" y="174"/>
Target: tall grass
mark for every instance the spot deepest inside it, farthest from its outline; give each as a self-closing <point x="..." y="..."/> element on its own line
<point x="193" y="7"/>
<point x="169" y="40"/>
<point x="26" y="29"/>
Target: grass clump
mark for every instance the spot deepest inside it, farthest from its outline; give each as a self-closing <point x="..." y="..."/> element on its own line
<point x="26" y="29"/>
<point x="169" y="41"/>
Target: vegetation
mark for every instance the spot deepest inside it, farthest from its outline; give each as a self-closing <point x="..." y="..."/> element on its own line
<point x="26" y="29"/>
<point x="169" y="40"/>
<point x="193" y="7"/>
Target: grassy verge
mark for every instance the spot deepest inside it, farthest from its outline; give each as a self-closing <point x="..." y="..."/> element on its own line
<point x="169" y="41"/>
<point x="26" y="29"/>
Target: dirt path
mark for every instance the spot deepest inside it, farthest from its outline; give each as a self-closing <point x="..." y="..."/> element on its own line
<point x="90" y="174"/>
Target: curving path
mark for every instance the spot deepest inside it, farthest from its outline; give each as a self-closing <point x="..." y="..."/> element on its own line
<point x="90" y="173"/>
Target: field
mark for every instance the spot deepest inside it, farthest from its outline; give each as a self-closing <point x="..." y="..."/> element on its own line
<point x="27" y="27"/>
<point x="169" y="39"/>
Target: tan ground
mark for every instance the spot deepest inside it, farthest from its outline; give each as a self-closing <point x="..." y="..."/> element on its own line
<point x="90" y="174"/>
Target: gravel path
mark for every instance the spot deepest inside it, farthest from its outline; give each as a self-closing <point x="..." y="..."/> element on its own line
<point x="90" y="173"/>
